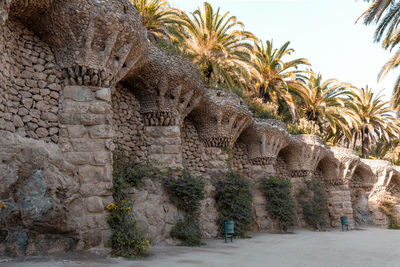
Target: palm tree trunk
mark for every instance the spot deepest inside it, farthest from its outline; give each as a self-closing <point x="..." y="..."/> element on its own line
<point x="364" y="144"/>
<point x="355" y="140"/>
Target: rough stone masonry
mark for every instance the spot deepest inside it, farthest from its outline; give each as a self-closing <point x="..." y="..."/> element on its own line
<point x="79" y="78"/>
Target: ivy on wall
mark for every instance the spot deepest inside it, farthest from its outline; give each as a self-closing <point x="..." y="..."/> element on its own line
<point x="280" y="203"/>
<point x="234" y="202"/>
<point x="127" y="240"/>
<point x="313" y="201"/>
<point x="186" y="193"/>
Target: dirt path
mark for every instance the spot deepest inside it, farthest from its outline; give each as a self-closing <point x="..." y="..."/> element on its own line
<point x="369" y="247"/>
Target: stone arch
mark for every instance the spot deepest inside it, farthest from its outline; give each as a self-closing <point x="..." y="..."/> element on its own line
<point x="328" y="169"/>
<point x="394" y="185"/>
<point x="302" y="155"/>
<point x="220" y="118"/>
<point x="167" y="87"/>
<point x="264" y="139"/>
<point x="361" y="184"/>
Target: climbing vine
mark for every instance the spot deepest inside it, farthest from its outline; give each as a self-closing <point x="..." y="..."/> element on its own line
<point x="186" y="193"/>
<point x="233" y="198"/>
<point x="313" y="201"/>
<point x="280" y="203"/>
<point x="127" y="240"/>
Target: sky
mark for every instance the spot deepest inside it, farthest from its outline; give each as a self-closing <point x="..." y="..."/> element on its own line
<point x="323" y="31"/>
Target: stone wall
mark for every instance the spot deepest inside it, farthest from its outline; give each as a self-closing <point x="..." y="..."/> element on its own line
<point x="127" y="123"/>
<point x="86" y="83"/>
<point x="29" y="84"/>
<point x="192" y="148"/>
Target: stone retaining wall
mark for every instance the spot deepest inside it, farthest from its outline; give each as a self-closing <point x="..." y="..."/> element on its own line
<point x="116" y="90"/>
<point x="29" y="85"/>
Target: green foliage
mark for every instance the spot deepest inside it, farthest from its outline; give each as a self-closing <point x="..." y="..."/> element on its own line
<point x="188" y="231"/>
<point x="127" y="173"/>
<point x="263" y="110"/>
<point x="280" y="203"/>
<point x="127" y="240"/>
<point x="186" y="193"/>
<point x="304" y="126"/>
<point x="313" y="200"/>
<point x="387" y="205"/>
<point x="233" y="199"/>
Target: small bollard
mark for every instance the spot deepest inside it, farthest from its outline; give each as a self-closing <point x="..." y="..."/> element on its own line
<point x="229" y="230"/>
<point x="345" y="222"/>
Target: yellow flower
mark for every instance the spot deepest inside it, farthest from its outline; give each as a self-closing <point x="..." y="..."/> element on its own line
<point x="2" y="205"/>
<point x="111" y="207"/>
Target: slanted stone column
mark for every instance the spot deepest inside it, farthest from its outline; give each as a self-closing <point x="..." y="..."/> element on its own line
<point x="86" y="140"/>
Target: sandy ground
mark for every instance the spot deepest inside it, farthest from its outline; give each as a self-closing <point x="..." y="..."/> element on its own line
<point x="367" y="247"/>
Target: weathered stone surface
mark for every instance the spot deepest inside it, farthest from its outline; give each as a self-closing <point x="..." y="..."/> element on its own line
<point x="38" y="187"/>
<point x="80" y="74"/>
<point x="167" y="87"/>
<point x="220" y="118"/>
<point x="96" y="53"/>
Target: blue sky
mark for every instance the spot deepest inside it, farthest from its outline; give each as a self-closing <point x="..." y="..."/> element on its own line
<point x="323" y="31"/>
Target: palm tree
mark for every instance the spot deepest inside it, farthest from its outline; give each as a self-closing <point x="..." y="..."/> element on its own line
<point x="275" y="77"/>
<point x="387" y="14"/>
<point x="374" y="117"/>
<point x="217" y="44"/>
<point x="324" y="103"/>
<point x="156" y="17"/>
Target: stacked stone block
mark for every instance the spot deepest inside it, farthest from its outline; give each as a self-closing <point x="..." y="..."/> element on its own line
<point x="86" y="139"/>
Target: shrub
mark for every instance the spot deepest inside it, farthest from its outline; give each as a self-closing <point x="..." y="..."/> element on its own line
<point x="304" y="126"/>
<point x="127" y="240"/>
<point x="128" y="173"/>
<point x="188" y="231"/>
<point x="387" y="205"/>
<point x="186" y="193"/>
<point x="233" y="200"/>
<point x="313" y="201"/>
<point x="280" y="203"/>
<point x="263" y="110"/>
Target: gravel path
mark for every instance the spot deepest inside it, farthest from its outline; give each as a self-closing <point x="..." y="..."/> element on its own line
<point x="368" y="247"/>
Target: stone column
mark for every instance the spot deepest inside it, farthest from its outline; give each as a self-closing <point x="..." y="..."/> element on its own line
<point x="86" y="139"/>
<point x="339" y="203"/>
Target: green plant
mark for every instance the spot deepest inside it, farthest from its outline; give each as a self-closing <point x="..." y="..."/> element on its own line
<point x="233" y="198"/>
<point x="280" y="203"/>
<point x="263" y="110"/>
<point x="387" y="205"/>
<point x="127" y="173"/>
<point x="188" y="231"/>
<point x="304" y="126"/>
<point x="126" y="240"/>
<point x="313" y="201"/>
<point x="186" y="193"/>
